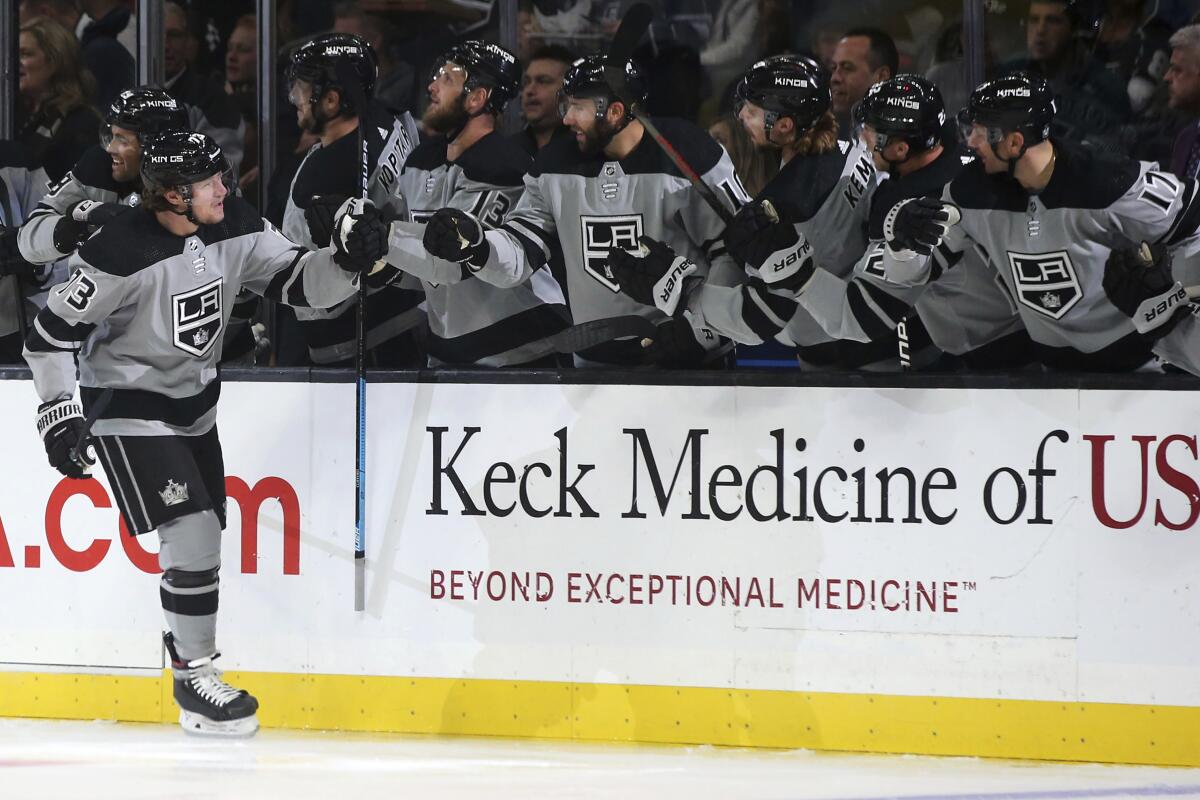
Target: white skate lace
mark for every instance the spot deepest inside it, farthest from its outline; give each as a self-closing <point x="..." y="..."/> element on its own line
<point x="205" y="679"/>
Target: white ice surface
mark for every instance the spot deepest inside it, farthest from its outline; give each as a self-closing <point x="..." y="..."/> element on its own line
<point x="50" y="759"/>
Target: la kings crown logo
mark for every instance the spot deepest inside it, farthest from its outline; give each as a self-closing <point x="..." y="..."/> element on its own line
<point x="601" y="234"/>
<point x="197" y="319"/>
<point x="1045" y="282"/>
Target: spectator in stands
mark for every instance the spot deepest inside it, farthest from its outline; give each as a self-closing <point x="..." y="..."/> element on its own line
<point x="539" y="97"/>
<point x="110" y="63"/>
<point x="64" y="12"/>
<point x="1133" y="49"/>
<point x="733" y="42"/>
<point x="754" y="165"/>
<point x="1183" y="89"/>
<point x="397" y="79"/>
<point x="1092" y="103"/>
<point x="241" y="59"/>
<point x="211" y="110"/>
<point x="56" y="120"/>
<point x="863" y="57"/>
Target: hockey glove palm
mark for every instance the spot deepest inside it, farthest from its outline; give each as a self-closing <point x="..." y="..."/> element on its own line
<point x="361" y="236"/>
<point x="1138" y="281"/>
<point x="11" y="260"/>
<point x="456" y="236"/>
<point x="916" y="226"/>
<point x="60" y="423"/>
<point x="81" y="220"/>
<point x="319" y="217"/>
<point x="654" y="276"/>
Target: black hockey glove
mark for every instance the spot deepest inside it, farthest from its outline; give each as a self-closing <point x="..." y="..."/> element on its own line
<point x="746" y="228"/>
<point x="917" y="225"/>
<point x="361" y="236"/>
<point x="1138" y="281"/>
<point x="11" y="260"/>
<point x="60" y="424"/>
<point x="81" y="220"/>
<point x="677" y="345"/>
<point x="456" y="236"/>
<point x="654" y="276"/>
<point x="319" y="216"/>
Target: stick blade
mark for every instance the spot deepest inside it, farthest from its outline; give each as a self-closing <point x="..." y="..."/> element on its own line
<point x="633" y="27"/>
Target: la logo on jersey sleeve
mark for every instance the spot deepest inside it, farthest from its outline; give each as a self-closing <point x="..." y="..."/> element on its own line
<point x="197" y="318"/>
<point x="1045" y="282"/>
<point x="601" y="234"/>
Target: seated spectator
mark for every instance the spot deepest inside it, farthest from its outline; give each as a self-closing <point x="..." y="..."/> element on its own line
<point x="241" y="59"/>
<point x="55" y="119"/>
<point x="1091" y="102"/>
<point x="1136" y="52"/>
<point x="211" y="110"/>
<point x="539" y="97"/>
<point x="754" y="165"/>
<point x="1183" y="90"/>
<point x="397" y="79"/>
<point x="733" y="42"/>
<point x="107" y="58"/>
<point x="64" y="12"/>
<point x="863" y="57"/>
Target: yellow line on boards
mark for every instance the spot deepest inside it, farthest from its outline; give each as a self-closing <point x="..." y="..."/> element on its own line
<point x="1106" y="732"/>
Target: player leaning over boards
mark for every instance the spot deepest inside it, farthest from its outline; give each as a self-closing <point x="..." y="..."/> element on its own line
<point x="605" y="190"/>
<point x="142" y="315"/>
<point x="470" y="166"/>
<point x="1048" y="214"/>
<point x="962" y="306"/>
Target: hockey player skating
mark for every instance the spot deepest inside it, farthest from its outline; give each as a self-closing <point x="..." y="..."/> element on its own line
<point x="812" y="214"/>
<point x="331" y="169"/>
<point x="470" y="166"/>
<point x="106" y="179"/>
<point x="965" y="311"/>
<point x="605" y="191"/>
<point x="142" y="316"/>
<point x="1048" y="213"/>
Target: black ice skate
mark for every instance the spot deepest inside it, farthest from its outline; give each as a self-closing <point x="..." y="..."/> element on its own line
<point x="207" y="705"/>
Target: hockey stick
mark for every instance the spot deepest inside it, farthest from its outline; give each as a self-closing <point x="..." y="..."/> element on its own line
<point x="587" y="335"/>
<point x="351" y="84"/>
<point x="101" y="403"/>
<point x="633" y="27"/>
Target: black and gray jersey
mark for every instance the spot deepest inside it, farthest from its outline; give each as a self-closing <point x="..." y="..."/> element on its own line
<point x="962" y="305"/>
<point x="335" y="170"/>
<point x="589" y="204"/>
<point x="1049" y="249"/>
<point x="90" y="179"/>
<point x="472" y="322"/>
<point x="144" y="309"/>
<point x="22" y="186"/>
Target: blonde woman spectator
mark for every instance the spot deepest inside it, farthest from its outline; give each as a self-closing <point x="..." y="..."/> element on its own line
<point x="755" y="166"/>
<point x="55" y="120"/>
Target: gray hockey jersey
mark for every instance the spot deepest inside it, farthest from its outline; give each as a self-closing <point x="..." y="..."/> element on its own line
<point x="334" y="170"/>
<point x="587" y="205"/>
<point x="20" y="190"/>
<point x="472" y="322"/>
<point x="1049" y="249"/>
<point x="963" y="306"/>
<point x="90" y="179"/>
<point x="144" y="310"/>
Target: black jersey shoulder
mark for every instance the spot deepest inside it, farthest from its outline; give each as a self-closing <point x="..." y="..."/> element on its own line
<point x="1084" y="177"/>
<point x="130" y="243"/>
<point x="334" y="169"/>
<point x="800" y="188"/>
<point x="495" y="160"/>
<point x="562" y="156"/>
<point x="94" y="169"/>
<point x="700" y="150"/>
<point x="428" y="155"/>
<point x="974" y="188"/>
<point x="240" y="219"/>
<point x="929" y="181"/>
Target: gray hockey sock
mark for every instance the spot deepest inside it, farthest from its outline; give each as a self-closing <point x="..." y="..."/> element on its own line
<point x="190" y="557"/>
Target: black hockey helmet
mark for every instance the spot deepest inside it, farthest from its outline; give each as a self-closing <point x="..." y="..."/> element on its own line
<point x="317" y="62"/>
<point x="177" y="159"/>
<point x="585" y="79"/>
<point x="1018" y="102"/>
<point x="488" y="66"/>
<point x="145" y="110"/>
<point x="785" y="86"/>
<point x="906" y="108"/>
